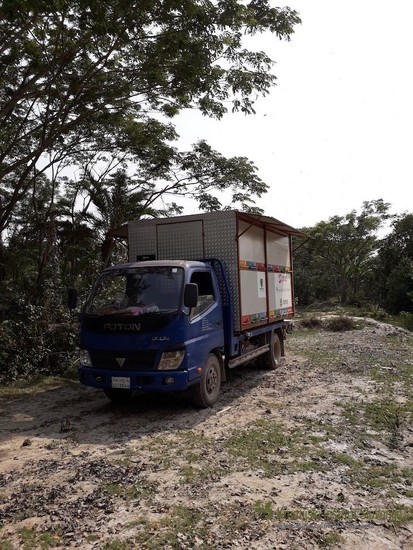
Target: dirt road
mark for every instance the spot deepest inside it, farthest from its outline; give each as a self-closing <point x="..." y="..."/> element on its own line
<point x="317" y="454"/>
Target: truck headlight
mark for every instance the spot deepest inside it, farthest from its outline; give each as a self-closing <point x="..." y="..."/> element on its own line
<point x="84" y="357"/>
<point x="171" y="360"/>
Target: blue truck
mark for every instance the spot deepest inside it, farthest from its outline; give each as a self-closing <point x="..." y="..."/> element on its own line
<point x="200" y="294"/>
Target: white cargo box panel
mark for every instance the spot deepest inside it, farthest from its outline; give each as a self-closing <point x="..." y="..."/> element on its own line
<point x="280" y="278"/>
<point x="256" y="257"/>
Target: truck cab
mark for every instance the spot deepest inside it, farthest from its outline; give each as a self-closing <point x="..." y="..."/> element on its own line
<point x="154" y="326"/>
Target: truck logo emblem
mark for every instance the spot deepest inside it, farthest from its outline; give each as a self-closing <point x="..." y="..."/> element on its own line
<point x="122" y="326"/>
<point x="120" y="361"/>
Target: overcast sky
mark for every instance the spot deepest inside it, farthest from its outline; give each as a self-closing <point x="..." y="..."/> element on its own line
<point x="337" y="129"/>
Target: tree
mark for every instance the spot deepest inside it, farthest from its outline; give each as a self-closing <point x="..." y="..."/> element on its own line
<point x="312" y="281"/>
<point x="83" y="79"/>
<point x="338" y="255"/>
<point x="114" y="197"/>
<point x="394" y="267"/>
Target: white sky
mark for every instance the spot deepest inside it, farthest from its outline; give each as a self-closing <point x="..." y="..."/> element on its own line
<point x="337" y="128"/>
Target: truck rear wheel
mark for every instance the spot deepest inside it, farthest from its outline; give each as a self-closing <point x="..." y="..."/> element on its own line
<point x="272" y="359"/>
<point x="206" y="392"/>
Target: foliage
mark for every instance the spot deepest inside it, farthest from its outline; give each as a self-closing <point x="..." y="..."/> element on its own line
<point x="31" y="344"/>
<point x="341" y="323"/>
<point x="406" y="320"/>
<point x="344" y="260"/>
<point x="336" y="323"/>
<point x="336" y="260"/>
<point x="84" y="80"/>
<point x="311" y="322"/>
<point x="394" y="267"/>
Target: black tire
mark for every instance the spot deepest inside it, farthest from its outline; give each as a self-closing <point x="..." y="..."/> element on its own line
<point x="272" y="359"/>
<point x="118" y="396"/>
<point x="206" y="392"/>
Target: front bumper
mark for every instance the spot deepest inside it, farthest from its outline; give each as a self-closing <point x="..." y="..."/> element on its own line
<point x="138" y="381"/>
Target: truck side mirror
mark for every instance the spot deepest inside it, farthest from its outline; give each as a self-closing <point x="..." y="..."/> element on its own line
<point x="72" y="298"/>
<point x="191" y="295"/>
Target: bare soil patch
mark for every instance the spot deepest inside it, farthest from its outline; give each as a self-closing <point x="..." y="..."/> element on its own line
<point x="316" y="454"/>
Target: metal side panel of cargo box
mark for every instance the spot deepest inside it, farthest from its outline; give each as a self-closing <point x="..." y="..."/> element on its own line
<point x="192" y="237"/>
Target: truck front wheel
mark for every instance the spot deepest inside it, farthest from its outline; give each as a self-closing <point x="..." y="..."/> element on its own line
<point x="206" y="392"/>
<point x="272" y="359"/>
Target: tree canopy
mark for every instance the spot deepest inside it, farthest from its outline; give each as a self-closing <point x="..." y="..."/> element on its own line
<point x="394" y="268"/>
<point x="91" y="82"/>
<point x="336" y="259"/>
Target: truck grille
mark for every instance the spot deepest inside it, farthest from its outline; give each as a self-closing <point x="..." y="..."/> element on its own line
<point x="121" y="361"/>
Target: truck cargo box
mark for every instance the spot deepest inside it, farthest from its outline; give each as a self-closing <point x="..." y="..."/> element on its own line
<point x="255" y="251"/>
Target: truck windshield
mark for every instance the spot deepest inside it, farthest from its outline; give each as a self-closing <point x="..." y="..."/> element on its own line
<point x="135" y="291"/>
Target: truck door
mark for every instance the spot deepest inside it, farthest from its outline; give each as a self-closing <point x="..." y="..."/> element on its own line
<point x="206" y="318"/>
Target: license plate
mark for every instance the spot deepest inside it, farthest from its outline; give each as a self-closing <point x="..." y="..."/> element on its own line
<point x="121" y="382"/>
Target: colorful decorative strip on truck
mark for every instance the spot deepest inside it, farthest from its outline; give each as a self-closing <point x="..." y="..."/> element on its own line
<point x="257" y="266"/>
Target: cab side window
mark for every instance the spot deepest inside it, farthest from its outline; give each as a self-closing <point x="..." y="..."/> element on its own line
<point x="206" y="295"/>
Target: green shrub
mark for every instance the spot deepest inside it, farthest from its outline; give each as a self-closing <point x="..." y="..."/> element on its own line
<point x="340" y="324"/>
<point x="378" y="313"/>
<point x="31" y="345"/>
<point x="406" y="320"/>
<point x="311" y="322"/>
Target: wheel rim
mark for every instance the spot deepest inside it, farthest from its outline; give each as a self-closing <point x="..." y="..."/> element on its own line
<point x="211" y="381"/>
<point x="276" y="352"/>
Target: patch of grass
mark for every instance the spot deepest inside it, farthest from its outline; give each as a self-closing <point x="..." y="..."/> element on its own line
<point x="192" y="440"/>
<point x="376" y="475"/>
<point x="117" y="544"/>
<point x="198" y="469"/>
<point x="351" y="413"/>
<point x="260" y="445"/>
<point x="188" y="452"/>
<point x="323" y="426"/>
<point x="344" y="459"/>
<point x="385" y="415"/>
<point x="330" y="539"/>
<point x="24" y="514"/>
<point x="182" y="527"/>
<point x="143" y="490"/>
<point x="404" y="320"/>
<point x="238" y="518"/>
<point x="322" y="359"/>
<point x="266" y="446"/>
<point x="31" y="538"/>
<point x="20" y="388"/>
<point x="376" y="312"/>
<point x="190" y="474"/>
<point x="187" y="445"/>
<point x="400" y="375"/>
<point x="263" y="509"/>
<point x="400" y="515"/>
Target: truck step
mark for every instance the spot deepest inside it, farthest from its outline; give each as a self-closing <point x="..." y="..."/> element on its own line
<point x="249" y="356"/>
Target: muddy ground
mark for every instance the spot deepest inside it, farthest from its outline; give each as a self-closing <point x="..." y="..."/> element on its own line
<point x="317" y="454"/>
